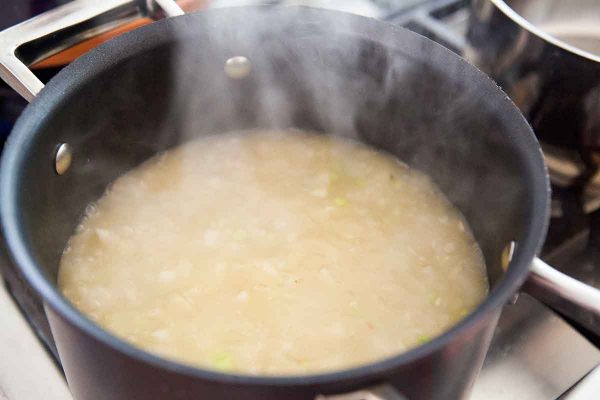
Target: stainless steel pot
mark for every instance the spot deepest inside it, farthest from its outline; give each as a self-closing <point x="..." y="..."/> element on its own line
<point x="546" y="55"/>
<point x="126" y="100"/>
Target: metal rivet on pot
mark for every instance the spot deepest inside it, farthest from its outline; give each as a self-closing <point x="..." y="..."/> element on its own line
<point x="507" y="255"/>
<point x="237" y="67"/>
<point x="62" y="158"/>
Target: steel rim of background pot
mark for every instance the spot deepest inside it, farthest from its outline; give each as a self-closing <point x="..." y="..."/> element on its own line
<point x="525" y="24"/>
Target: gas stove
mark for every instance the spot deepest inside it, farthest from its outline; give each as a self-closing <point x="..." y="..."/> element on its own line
<point x="535" y="354"/>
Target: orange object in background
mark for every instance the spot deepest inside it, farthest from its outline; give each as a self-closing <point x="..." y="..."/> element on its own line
<point x="66" y="56"/>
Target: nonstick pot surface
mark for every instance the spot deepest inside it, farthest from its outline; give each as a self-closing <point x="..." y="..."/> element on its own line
<point x="163" y="84"/>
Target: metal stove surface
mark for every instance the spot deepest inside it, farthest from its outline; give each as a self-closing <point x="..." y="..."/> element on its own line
<point x="535" y="354"/>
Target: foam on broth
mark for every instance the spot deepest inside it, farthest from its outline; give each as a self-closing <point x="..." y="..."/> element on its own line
<point x="273" y="253"/>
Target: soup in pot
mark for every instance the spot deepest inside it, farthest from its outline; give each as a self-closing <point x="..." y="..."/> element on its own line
<point x="273" y="253"/>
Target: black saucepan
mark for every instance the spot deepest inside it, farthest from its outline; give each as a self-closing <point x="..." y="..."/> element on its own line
<point x="162" y="84"/>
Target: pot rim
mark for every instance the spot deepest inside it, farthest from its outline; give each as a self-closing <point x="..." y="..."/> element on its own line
<point x="115" y="50"/>
<point x="542" y="34"/>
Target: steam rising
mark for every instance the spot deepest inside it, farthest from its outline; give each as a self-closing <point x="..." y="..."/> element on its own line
<point x="350" y="76"/>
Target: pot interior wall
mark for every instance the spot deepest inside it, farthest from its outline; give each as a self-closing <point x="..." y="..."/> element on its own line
<point x="135" y="97"/>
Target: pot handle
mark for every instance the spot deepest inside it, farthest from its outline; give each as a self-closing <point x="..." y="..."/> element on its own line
<point x="379" y="392"/>
<point x="568" y="296"/>
<point x="61" y="28"/>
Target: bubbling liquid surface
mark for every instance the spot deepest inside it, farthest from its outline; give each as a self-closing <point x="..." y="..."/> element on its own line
<point x="273" y="253"/>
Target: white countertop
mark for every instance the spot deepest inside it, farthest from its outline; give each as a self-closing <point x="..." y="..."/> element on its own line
<point x="27" y="371"/>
